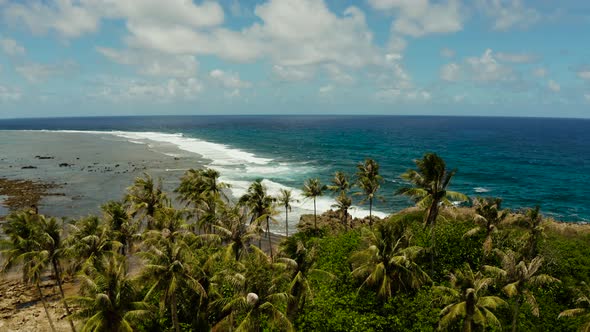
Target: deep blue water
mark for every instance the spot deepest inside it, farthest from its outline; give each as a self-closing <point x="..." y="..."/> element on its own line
<point x="525" y="161"/>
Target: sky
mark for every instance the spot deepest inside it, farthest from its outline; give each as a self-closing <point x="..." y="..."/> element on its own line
<point x="422" y="57"/>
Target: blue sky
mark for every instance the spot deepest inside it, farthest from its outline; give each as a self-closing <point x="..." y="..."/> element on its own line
<point x="439" y="57"/>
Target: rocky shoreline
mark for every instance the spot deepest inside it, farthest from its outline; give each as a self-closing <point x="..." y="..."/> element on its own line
<point x="23" y="194"/>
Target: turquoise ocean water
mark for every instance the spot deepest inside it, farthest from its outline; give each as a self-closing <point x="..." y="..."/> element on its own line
<point x="526" y="161"/>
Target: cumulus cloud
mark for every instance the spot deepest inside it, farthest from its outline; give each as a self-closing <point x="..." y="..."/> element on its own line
<point x="539" y="72"/>
<point x="417" y="18"/>
<point x="38" y="72"/>
<point x="507" y="14"/>
<point x="11" y="47"/>
<point x="484" y="68"/>
<point x="154" y="64"/>
<point x="583" y="73"/>
<point x="397" y="95"/>
<point x="228" y="79"/>
<point x="9" y="94"/>
<point x="553" y="86"/>
<point x="293" y="73"/>
<point x="447" y="52"/>
<point x="326" y="90"/>
<point x="516" y="57"/>
<point x="124" y="90"/>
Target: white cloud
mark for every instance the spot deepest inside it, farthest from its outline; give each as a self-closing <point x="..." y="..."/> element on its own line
<point x="228" y="79"/>
<point x="65" y="17"/>
<point x="509" y="13"/>
<point x="123" y="90"/>
<point x="583" y="74"/>
<point x="37" y="72"/>
<point x="293" y="73"/>
<point x="72" y="18"/>
<point x="9" y="94"/>
<point x="553" y="86"/>
<point x="417" y="18"/>
<point x="450" y="72"/>
<point x="396" y="95"/>
<point x="326" y="89"/>
<point x="516" y="57"/>
<point x="485" y="68"/>
<point x="11" y="47"/>
<point x="154" y="64"/>
<point x="447" y="52"/>
<point x="540" y="72"/>
<point x="338" y="75"/>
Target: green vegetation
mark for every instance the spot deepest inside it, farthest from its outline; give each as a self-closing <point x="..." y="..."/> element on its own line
<point x="202" y="265"/>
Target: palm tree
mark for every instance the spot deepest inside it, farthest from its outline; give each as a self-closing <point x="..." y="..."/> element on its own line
<point x="466" y="299"/>
<point x="301" y="266"/>
<point x="169" y="267"/>
<point x="145" y="197"/>
<point x="285" y="199"/>
<point x="388" y="262"/>
<point x="489" y="215"/>
<point x="231" y="229"/>
<point x="343" y="203"/>
<point x="532" y="222"/>
<point x="255" y="299"/>
<point x="521" y="278"/>
<point x="369" y="180"/>
<point x="583" y="309"/>
<point x="88" y="242"/>
<point x="25" y="246"/>
<point x="313" y="188"/>
<point x="109" y="300"/>
<point x="120" y="224"/>
<point x="52" y="249"/>
<point x="261" y="207"/>
<point x="340" y="183"/>
<point x="430" y="182"/>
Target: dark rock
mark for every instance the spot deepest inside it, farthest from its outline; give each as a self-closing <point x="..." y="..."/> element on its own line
<point x="44" y="157"/>
<point x="28" y="167"/>
<point x="65" y="165"/>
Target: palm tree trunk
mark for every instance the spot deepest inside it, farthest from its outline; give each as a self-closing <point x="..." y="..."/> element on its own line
<point x="45" y="306"/>
<point x="432" y="213"/>
<point x="467" y="324"/>
<point x="371" y="212"/>
<point x="57" y="273"/>
<point x="315" y="217"/>
<point x="268" y="233"/>
<point x="287" y="221"/>
<point x="515" y="314"/>
<point x="174" y="312"/>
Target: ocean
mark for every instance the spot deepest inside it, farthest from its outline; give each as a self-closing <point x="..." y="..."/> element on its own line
<point x="525" y="161"/>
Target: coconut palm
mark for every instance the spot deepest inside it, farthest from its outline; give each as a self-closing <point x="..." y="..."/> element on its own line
<point x="52" y="249"/>
<point x="285" y="199"/>
<point x="583" y="308"/>
<point x="231" y="229"/>
<point x="109" y="300"/>
<point x="466" y="299"/>
<point x="24" y="246"/>
<point x="261" y="207"/>
<point x="145" y="197"/>
<point x="532" y="221"/>
<point x="313" y="188"/>
<point x="301" y="266"/>
<point x="489" y="215"/>
<point x="430" y="182"/>
<point x="255" y="299"/>
<point x="343" y="203"/>
<point x="388" y="262"/>
<point x="340" y="183"/>
<point x="369" y="181"/>
<point x="88" y="242"/>
<point x="122" y="227"/>
<point x="170" y="266"/>
<point x="521" y="278"/>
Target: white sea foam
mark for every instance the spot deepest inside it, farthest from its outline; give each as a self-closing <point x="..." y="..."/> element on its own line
<point x="481" y="190"/>
<point x="239" y="167"/>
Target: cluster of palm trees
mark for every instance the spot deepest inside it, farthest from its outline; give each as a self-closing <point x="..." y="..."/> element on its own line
<point x="147" y="264"/>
